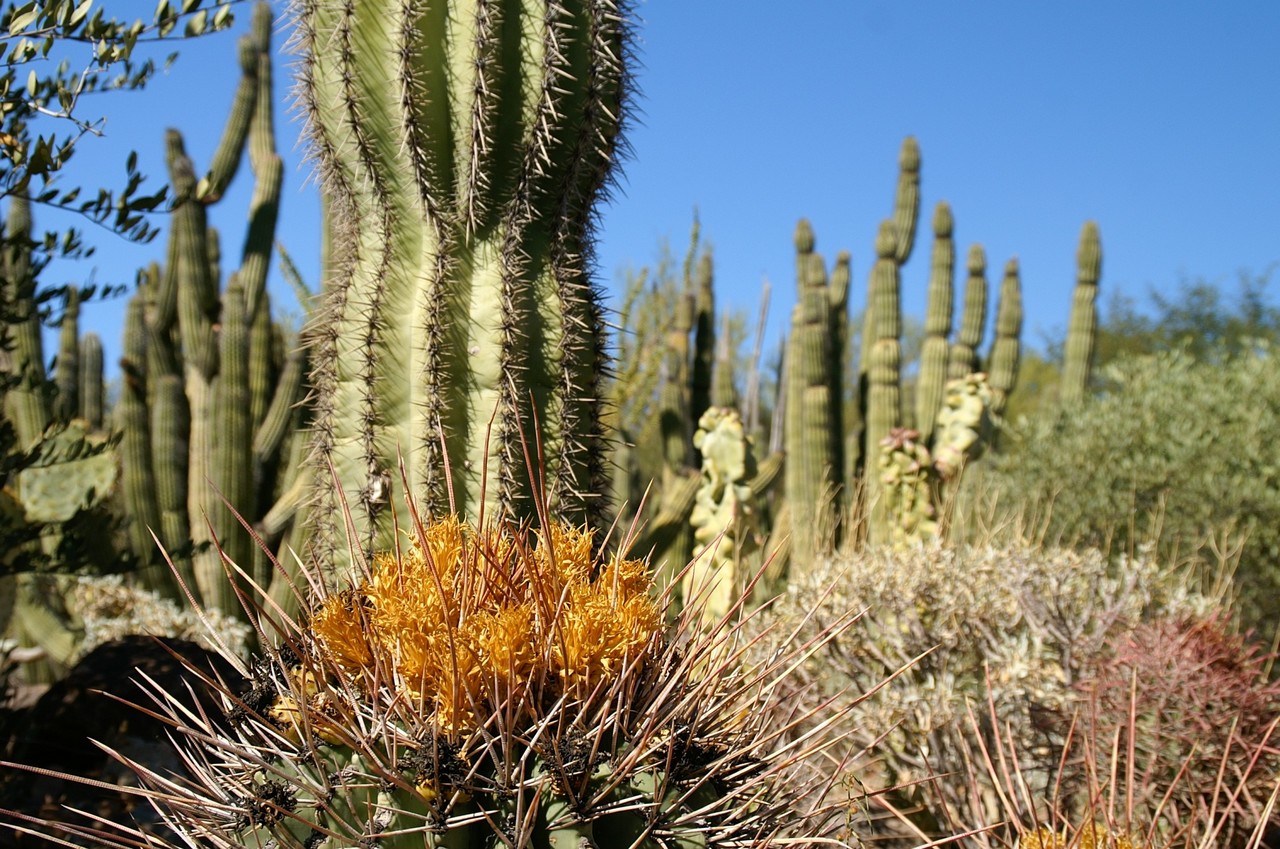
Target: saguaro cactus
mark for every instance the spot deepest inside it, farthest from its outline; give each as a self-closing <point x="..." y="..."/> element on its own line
<point x="1082" y="329"/>
<point x="462" y="151"/>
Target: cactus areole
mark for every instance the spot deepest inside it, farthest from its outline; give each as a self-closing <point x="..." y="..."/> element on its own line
<point x="461" y="148"/>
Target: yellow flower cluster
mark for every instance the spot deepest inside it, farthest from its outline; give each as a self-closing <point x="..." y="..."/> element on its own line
<point x="1091" y="836"/>
<point x="468" y="622"/>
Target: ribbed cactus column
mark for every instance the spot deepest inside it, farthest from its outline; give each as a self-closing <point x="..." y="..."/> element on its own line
<point x="964" y="353"/>
<point x="66" y="404"/>
<point x="810" y="466"/>
<point x="92" y="393"/>
<point x="1002" y="368"/>
<point x="22" y="354"/>
<point x="883" y="370"/>
<point x="462" y="147"/>
<point x="1083" y="326"/>
<point x="937" y="323"/>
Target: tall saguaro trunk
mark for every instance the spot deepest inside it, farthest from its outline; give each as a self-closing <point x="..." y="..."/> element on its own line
<point x="462" y="146"/>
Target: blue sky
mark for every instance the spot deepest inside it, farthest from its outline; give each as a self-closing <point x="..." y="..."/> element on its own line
<point x="1160" y="121"/>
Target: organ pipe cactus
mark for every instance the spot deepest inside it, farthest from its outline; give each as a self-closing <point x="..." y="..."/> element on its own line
<point x="884" y="366"/>
<point x="964" y="351"/>
<point x="461" y="149"/>
<point x="205" y="366"/>
<point x="811" y="432"/>
<point x="1002" y="364"/>
<point x="1082" y="329"/>
<point x="937" y="323"/>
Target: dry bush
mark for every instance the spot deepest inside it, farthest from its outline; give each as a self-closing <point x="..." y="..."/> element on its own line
<point x="1015" y="627"/>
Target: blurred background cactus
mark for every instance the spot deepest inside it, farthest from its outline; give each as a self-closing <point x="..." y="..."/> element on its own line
<point x="212" y="383"/>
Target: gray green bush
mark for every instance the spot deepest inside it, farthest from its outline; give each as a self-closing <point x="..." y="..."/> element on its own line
<point x="949" y="630"/>
<point x="1176" y="449"/>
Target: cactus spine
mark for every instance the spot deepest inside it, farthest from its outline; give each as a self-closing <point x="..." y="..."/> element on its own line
<point x="462" y="151"/>
<point x="1002" y="363"/>
<point x="964" y="353"/>
<point x="1082" y="329"/>
<point x="937" y="323"/>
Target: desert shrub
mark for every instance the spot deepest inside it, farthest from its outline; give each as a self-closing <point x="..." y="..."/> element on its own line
<point x="110" y="609"/>
<point x="965" y="630"/>
<point x="1176" y="449"/>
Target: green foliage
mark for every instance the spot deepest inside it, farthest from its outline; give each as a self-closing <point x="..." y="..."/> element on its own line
<point x="55" y="53"/>
<point x="1177" y="450"/>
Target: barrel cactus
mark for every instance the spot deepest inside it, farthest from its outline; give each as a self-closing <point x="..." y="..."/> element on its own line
<point x="497" y="687"/>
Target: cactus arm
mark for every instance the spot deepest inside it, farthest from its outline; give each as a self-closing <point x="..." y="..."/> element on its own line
<point x="226" y="159"/>
<point x="884" y="370"/>
<point x="67" y="370"/>
<point x="937" y="323"/>
<point x="810" y="473"/>
<point x="1082" y="328"/>
<point x="906" y="201"/>
<point x="963" y="360"/>
<point x="137" y="477"/>
<point x="1002" y="363"/>
<point x="26" y="403"/>
<point x="92" y="392"/>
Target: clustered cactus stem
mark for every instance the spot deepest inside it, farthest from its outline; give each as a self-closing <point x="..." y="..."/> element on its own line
<point x="462" y="147"/>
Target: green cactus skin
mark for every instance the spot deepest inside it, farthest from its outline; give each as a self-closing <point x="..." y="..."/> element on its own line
<point x="721" y="507"/>
<point x="964" y="353"/>
<point x="26" y="402"/>
<point x="843" y="459"/>
<point x="462" y="151"/>
<point x="232" y="471"/>
<point x="226" y="159"/>
<point x="906" y="481"/>
<point x="209" y="361"/>
<point x="259" y="239"/>
<point x="92" y="391"/>
<point x="884" y="393"/>
<point x="906" y="201"/>
<point x="937" y="323"/>
<point x="138" y="482"/>
<point x="66" y="404"/>
<point x="170" y="431"/>
<point x="1082" y="329"/>
<point x="704" y="338"/>
<point x="811" y="474"/>
<point x="1003" y="359"/>
<point x="906" y="214"/>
